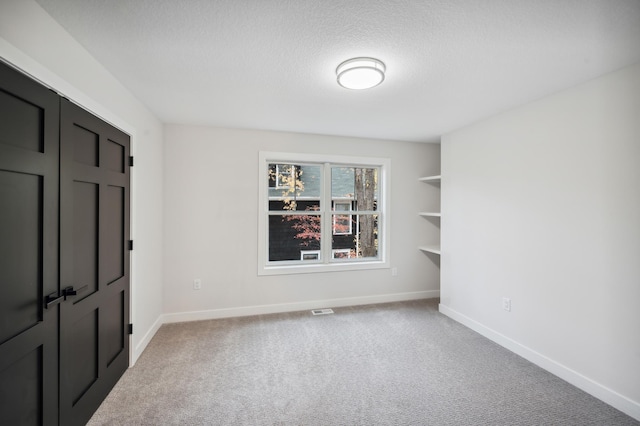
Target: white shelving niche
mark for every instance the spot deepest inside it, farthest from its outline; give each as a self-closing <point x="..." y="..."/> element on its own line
<point x="434" y="216"/>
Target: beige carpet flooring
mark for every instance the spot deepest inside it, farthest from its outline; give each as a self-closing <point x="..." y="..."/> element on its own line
<point x="387" y="364"/>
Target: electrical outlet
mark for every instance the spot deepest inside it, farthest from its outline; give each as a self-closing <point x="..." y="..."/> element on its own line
<point x="506" y="304"/>
<point x="197" y="284"/>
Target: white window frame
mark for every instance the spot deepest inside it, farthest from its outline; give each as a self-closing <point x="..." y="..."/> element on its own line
<point x="326" y="263"/>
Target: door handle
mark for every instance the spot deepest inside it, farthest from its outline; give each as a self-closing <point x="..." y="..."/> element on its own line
<point x="52" y="300"/>
<point x="70" y="291"/>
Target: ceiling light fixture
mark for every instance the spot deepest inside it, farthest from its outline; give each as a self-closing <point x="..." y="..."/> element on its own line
<point x="360" y="73"/>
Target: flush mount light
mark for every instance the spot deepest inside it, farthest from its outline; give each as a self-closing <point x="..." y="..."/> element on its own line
<point x="360" y="73"/>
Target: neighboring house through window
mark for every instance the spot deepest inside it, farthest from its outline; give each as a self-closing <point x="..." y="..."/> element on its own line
<point x="309" y="254"/>
<point x="342" y="223"/>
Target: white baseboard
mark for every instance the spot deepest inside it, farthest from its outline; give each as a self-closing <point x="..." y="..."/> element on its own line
<point x="142" y="345"/>
<point x="296" y="306"/>
<point x="611" y="397"/>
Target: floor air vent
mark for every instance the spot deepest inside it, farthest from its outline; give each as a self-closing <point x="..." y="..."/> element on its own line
<point x="322" y="311"/>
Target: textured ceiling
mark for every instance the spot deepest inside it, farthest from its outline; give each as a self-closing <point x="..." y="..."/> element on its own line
<point x="270" y="64"/>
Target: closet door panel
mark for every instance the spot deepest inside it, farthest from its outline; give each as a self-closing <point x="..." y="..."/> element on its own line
<point x="29" y="132"/>
<point x="94" y="233"/>
<point x="20" y="262"/>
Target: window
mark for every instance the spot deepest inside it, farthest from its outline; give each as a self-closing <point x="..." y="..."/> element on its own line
<point x="321" y="213"/>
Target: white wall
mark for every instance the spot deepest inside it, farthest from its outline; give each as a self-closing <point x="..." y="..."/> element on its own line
<point x="211" y="225"/>
<point x="541" y="204"/>
<point x="33" y="42"/>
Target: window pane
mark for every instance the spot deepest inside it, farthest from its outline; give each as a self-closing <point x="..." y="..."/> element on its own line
<point x="294" y="237"/>
<point x="363" y="243"/>
<point x="366" y="189"/>
<point x="294" y="187"/>
<point x="342" y="183"/>
<point x="355" y="183"/>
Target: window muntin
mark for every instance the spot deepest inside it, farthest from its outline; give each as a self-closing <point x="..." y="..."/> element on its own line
<point x="322" y="211"/>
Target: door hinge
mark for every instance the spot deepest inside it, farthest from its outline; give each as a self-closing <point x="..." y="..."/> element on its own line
<point x="131" y="161"/>
<point x="130" y="329"/>
<point x="130" y="245"/>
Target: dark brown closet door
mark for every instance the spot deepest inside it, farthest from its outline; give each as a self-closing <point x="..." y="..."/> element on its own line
<point x="29" y="117"/>
<point x="94" y="261"/>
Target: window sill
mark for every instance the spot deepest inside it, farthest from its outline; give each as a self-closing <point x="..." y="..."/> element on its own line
<point x="322" y="267"/>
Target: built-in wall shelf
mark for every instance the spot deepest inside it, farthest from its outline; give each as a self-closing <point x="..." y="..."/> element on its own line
<point x="434" y="247"/>
<point x="434" y="179"/>
<point x="430" y="249"/>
